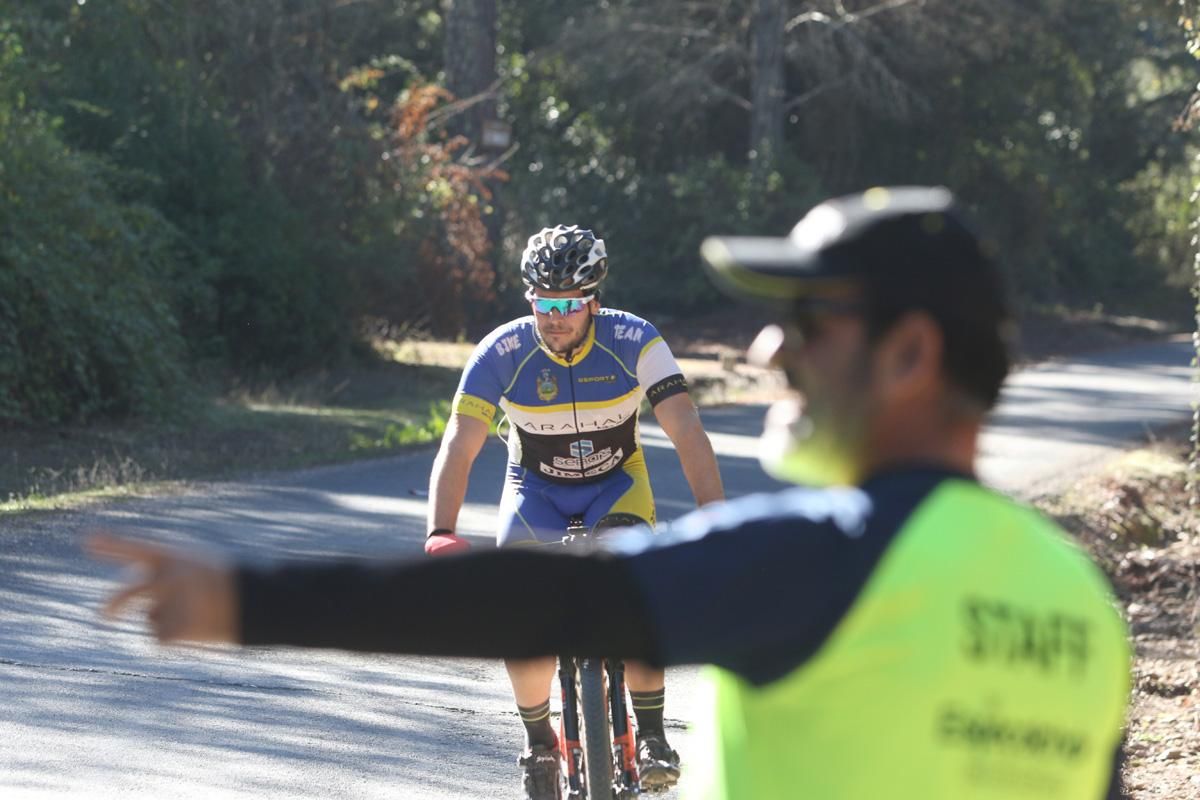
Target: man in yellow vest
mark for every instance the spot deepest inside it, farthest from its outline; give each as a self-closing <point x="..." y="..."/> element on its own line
<point x="893" y="630"/>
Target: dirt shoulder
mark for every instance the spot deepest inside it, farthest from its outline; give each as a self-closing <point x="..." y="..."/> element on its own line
<point x="1139" y="520"/>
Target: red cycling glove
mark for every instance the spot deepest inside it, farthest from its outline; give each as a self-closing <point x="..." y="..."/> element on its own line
<point x="444" y="542"/>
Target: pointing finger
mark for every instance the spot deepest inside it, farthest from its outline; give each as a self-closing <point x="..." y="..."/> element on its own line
<point x="118" y="601"/>
<point x="126" y="551"/>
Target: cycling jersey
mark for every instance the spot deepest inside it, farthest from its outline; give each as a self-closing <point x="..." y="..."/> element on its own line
<point x="572" y="421"/>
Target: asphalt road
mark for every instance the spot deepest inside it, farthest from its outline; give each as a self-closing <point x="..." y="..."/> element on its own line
<point x="97" y="710"/>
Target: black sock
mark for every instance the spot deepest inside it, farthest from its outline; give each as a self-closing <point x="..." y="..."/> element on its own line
<point x="648" y="708"/>
<point x="538" y="730"/>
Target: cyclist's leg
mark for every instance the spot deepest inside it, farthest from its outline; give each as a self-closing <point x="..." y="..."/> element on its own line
<point x="627" y="499"/>
<point x="526" y="517"/>
<point x="531" y="679"/>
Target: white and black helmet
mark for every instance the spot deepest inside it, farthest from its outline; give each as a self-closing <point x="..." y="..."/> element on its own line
<point x="563" y="258"/>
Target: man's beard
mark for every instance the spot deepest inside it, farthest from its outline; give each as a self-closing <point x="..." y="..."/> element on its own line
<point x="818" y="438"/>
<point x="571" y="346"/>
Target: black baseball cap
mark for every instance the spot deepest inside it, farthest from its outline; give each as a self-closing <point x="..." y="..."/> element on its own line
<point x="907" y="248"/>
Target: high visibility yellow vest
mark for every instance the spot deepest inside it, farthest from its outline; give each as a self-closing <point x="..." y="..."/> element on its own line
<point x="984" y="658"/>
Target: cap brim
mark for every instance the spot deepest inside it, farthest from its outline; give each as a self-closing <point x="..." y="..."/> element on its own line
<point x="763" y="268"/>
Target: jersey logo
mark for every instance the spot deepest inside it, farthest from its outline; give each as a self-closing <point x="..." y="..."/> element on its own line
<point x="593" y="465"/>
<point x="508" y="344"/>
<point x="547" y="386"/>
<point x="583" y="448"/>
<point x="627" y="332"/>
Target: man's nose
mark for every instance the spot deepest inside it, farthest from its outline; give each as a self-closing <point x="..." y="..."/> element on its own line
<point x="765" y="349"/>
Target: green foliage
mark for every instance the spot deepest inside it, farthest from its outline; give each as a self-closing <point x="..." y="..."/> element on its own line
<point x="248" y="147"/>
<point x="85" y="324"/>
<point x="394" y="436"/>
<point x="1189" y="20"/>
<point x="1055" y="128"/>
<point x="247" y="185"/>
<point x="444" y="199"/>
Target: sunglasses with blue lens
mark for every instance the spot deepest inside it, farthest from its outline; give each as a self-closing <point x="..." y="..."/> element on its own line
<point x="563" y="305"/>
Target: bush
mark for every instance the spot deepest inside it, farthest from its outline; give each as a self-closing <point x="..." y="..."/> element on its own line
<point x="85" y="322"/>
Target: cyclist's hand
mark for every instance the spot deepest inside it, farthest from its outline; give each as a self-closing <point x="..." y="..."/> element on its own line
<point x="445" y="543"/>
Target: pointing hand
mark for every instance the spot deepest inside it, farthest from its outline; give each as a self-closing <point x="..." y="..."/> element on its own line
<point x="190" y="597"/>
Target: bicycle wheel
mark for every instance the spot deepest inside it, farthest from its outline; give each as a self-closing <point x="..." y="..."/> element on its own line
<point x="595" y="733"/>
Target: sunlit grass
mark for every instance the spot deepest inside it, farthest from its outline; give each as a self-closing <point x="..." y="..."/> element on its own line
<point x="323" y="419"/>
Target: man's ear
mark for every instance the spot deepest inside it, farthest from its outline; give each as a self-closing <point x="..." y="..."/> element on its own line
<point x="594" y="306"/>
<point x="908" y="358"/>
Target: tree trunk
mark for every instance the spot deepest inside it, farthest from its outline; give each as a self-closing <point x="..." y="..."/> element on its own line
<point x="470" y="59"/>
<point x="766" y="86"/>
<point x="469" y="55"/>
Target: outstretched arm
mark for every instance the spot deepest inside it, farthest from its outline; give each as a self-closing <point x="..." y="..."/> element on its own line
<point x="467" y="606"/>
<point x="754" y="598"/>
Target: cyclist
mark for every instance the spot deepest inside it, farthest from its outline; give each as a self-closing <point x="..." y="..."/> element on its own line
<point x="902" y="632"/>
<point x="570" y="378"/>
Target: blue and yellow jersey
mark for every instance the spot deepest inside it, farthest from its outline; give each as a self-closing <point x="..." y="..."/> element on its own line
<point x="571" y="421"/>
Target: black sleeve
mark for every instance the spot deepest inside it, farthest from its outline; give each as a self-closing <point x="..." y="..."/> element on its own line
<point x="667" y="387"/>
<point x="503" y="604"/>
<point x="757" y="585"/>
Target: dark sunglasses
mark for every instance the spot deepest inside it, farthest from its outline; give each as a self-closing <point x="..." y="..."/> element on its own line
<point x="810" y="314"/>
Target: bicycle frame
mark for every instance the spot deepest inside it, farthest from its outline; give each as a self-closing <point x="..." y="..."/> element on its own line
<point x="624" y="742"/>
<point x="623" y="748"/>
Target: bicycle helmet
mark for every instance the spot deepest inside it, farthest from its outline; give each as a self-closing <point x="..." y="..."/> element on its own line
<point x="563" y="258"/>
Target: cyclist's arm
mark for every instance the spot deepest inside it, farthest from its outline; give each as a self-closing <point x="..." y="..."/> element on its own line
<point x="659" y="374"/>
<point x="461" y="443"/>
<point x="681" y="422"/>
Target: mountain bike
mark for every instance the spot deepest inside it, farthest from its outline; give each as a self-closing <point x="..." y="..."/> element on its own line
<point x="596" y="736"/>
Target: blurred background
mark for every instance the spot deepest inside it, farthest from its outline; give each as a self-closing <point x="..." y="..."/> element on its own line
<point x="245" y="236"/>
<point x="222" y="217"/>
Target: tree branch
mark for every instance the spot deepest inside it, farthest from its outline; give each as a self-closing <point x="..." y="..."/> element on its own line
<point x="812" y="94"/>
<point x="845" y="17"/>
<point x="440" y="116"/>
<point x="692" y="33"/>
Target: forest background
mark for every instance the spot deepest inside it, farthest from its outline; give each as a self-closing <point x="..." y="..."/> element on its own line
<point x="197" y="190"/>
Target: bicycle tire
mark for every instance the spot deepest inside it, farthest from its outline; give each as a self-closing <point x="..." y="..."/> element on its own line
<point x="594" y="730"/>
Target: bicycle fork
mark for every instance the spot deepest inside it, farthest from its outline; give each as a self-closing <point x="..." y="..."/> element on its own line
<point x="624" y="746"/>
<point x="624" y="753"/>
<point x="568" y="735"/>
